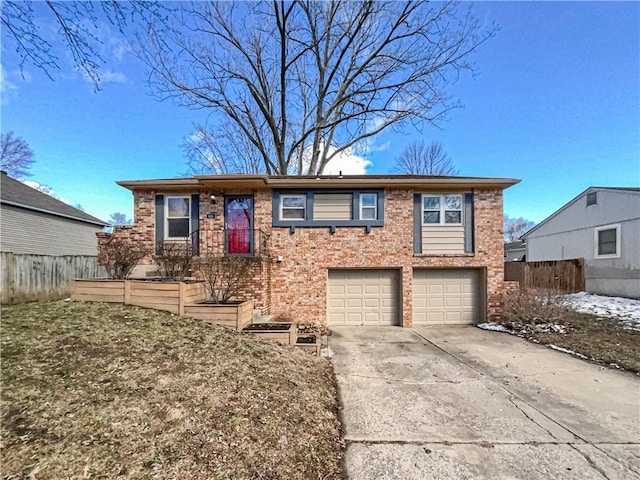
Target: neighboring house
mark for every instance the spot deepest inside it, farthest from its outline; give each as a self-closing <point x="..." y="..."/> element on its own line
<point x="601" y="225"/>
<point x="32" y="222"/>
<point x="353" y="250"/>
<point x="515" y="251"/>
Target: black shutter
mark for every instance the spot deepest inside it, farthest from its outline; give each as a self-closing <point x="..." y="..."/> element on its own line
<point x="468" y="223"/>
<point x="417" y="223"/>
<point x="195" y="224"/>
<point x="159" y="222"/>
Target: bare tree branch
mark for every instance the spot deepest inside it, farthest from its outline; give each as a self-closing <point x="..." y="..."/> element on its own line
<point x="305" y="81"/>
<point x="16" y="158"/>
<point x="77" y="24"/>
<point x="418" y="158"/>
<point x="515" y="228"/>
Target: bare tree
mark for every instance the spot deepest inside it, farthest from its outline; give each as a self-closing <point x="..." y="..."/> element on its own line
<point x="117" y="218"/>
<point x="223" y="150"/>
<point x="77" y="24"/>
<point x="418" y="158"/>
<point x="305" y="81"/>
<point x="16" y="157"/>
<point x="225" y="275"/>
<point x="174" y="259"/>
<point x="120" y="256"/>
<point x="514" y="228"/>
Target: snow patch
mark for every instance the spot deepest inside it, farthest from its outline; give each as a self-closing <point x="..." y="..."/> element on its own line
<point x="627" y="310"/>
<point x="494" y="327"/>
<point x="565" y="350"/>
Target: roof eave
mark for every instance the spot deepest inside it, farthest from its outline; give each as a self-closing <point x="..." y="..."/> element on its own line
<point x="366" y="181"/>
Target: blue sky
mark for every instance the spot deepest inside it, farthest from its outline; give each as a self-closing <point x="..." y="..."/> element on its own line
<point x="556" y="103"/>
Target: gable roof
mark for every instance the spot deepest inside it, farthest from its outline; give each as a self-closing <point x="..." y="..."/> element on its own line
<point x="17" y="194"/>
<point x="508" y="246"/>
<point x="318" y="181"/>
<point x="574" y="200"/>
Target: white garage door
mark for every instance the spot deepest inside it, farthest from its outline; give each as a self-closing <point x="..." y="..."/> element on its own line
<point x="446" y="296"/>
<point x="362" y="297"/>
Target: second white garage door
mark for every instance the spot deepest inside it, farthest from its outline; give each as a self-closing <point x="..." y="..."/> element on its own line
<point x="362" y="297"/>
<point x="447" y="296"/>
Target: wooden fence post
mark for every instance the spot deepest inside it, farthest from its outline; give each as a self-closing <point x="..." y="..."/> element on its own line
<point x="127" y="292"/>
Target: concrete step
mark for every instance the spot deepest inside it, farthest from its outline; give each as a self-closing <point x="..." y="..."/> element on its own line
<point x="259" y="318"/>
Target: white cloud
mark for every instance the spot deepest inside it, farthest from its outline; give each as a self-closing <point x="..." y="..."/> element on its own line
<point x="348" y="163"/>
<point x="44" y="189"/>
<point x="7" y="88"/>
<point x="113" y="77"/>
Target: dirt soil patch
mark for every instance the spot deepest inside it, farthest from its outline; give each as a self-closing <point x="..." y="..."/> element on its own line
<point x="276" y="327"/>
<point x="93" y="390"/>
<point x="603" y="340"/>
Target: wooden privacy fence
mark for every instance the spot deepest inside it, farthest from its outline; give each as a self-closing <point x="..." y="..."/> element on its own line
<point x="561" y="275"/>
<point x="27" y="278"/>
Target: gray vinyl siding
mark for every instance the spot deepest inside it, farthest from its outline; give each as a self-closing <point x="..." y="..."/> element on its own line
<point x="570" y="234"/>
<point x="27" y="231"/>
<point x="443" y="239"/>
<point x="332" y="206"/>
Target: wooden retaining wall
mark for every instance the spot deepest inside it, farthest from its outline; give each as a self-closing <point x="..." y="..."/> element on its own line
<point x="235" y="316"/>
<point x="29" y="278"/>
<point x="167" y="296"/>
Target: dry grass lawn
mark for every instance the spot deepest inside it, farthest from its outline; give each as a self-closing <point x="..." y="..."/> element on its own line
<point x="108" y="391"/>
<point x="602" y="340"/>
<point x="541" y="317"/>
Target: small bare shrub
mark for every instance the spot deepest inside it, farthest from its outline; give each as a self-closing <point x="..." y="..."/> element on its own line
<point x="120" y="256"/>
<point x="174" y="260"/>
<point x="533" y="307"/>
<point x="225" y="276"/>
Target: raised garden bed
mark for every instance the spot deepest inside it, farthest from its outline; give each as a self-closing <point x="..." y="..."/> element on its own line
<point x="309" y="343"/>
<point x="160" y="295"/>
<point x="231" y="315"/>
<point x="284" y="333"/>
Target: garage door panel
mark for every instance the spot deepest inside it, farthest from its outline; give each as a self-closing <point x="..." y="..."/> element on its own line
<point x="445" y="296"/>
<point x="362" y="297"/>
<point x="337" y="302"/>
<point x="354" y="289"/>
<point x="372" y="302"/>
<point x="453" y="302"/>
<point x="435" y="302"/>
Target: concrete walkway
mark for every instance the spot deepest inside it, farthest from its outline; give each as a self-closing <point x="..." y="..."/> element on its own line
<point x="463" y="403"/>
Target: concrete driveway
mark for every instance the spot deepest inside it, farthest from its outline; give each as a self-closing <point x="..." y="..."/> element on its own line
<point x="463" y="403"/>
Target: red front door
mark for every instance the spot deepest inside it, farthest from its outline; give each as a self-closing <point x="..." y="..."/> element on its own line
<point x="239" y="224"/>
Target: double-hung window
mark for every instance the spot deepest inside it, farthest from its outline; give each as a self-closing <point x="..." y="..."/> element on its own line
<point x="178" y="217"/>
<point x="607" y="241"/>
<point x="293" y="207"/>
<point x="442" y="209"/>
<point x="368" y="206"/>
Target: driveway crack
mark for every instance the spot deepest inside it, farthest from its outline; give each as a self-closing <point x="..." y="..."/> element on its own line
<point x="531" y="419"/>
<point x="407" y="382"/>
<point x="590" y="462"/>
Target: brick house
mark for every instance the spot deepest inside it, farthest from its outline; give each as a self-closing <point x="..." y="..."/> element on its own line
<point x="355" y="250"/>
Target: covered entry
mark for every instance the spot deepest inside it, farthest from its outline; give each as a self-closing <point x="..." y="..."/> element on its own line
<point x="446" y="296"/>
<point x="362" y="297"/>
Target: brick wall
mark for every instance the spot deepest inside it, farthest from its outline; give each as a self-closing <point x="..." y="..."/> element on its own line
<point x="296" y="287"/>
